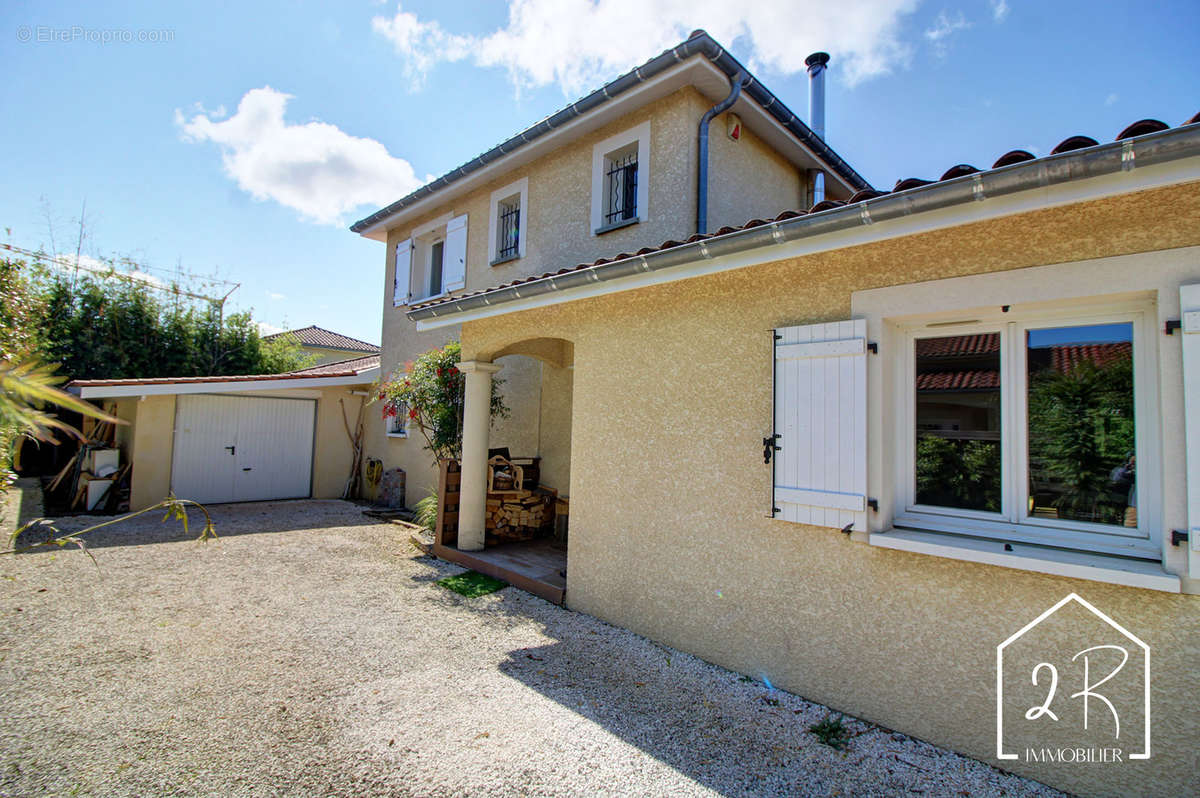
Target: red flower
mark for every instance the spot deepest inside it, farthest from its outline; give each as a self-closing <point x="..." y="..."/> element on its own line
<point x="412" y="413"/>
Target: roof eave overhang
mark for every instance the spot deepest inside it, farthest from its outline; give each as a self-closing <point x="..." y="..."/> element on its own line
<point x="217" y="385"/>
<point x="602" y="105"/>
<point x="1157" y="159"/>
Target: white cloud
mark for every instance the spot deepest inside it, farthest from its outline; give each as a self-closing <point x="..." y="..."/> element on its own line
<point x="275" y="297"/>
<point x="265" y="329"/>
<point x="1000" y="9"/>
<point x="943" y="28"/>
<point x="1111" y="99"/>
<point x="313" y="167"/>
<point x="579" y="44"/>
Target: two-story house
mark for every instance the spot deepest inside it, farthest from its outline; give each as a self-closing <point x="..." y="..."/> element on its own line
<point x="686" y="143"/>
<point x="895" y="451"/>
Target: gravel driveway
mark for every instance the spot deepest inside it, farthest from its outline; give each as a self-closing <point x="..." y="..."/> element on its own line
<point x="308" y="652"/>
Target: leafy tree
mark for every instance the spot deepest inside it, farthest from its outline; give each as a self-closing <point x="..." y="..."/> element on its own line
<point x="958" y="473"/>
<point x="97" y="328"/>
<point x="430" y="392"/>
<point x="1081" y="428"/>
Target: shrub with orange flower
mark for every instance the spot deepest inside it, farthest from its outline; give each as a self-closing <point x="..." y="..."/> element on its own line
<point x="430" y="390"/>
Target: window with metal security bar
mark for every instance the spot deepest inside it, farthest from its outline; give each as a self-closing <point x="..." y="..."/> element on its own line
<point x="397" y="420"/>
<point x="508" y="228"/>
<point x="620" y="184"/>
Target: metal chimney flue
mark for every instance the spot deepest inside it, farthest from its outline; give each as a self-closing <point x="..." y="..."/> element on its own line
<point x="816" y="64"/>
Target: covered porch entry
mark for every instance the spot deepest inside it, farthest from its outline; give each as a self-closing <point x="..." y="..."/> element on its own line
<point x="505" y="506"/>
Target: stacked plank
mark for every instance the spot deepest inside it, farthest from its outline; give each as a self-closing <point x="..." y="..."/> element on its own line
<point x="518" y="515"/>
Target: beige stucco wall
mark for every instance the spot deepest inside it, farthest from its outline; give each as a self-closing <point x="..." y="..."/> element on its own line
<point x="324" y="355"/>
<point x="747" y="179"/>
<point x="669" y="530"/>
<point x="153" y="436"/>
<point x="153" y="446"/>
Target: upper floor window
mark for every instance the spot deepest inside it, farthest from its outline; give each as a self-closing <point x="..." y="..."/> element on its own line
<point x="508" y="222"/>
<point x="431" y="263"/>
<point x="620" y="179"/>
<point x="620" y="185"/>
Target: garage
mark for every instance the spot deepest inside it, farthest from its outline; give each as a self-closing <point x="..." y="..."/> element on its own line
<point x="240" y="448"/>
<point x="239" y="438"/>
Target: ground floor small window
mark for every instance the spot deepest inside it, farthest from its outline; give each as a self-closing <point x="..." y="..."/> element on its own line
<point x="396" y="419"/>
<point x="1031" y="425"/>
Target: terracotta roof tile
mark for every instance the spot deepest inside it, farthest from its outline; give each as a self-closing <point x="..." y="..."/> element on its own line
<point x="1141" y="127"/>
<point x="342" y="368"/>
<point x="1065" y="357"/>
<point x="327" y="339"/>
<point x="969" y="380"/>
<point x="354" y="365"/>
<point x="959" y="345"/>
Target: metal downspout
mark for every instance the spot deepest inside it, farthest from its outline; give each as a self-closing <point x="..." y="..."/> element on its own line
<point x="735" y="91"/>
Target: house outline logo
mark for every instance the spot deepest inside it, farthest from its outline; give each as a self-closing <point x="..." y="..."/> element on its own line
<point x="1000" y="754"/>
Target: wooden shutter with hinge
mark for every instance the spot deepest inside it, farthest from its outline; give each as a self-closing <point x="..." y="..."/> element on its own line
<point x="1189" y="301"/>
<point x="454" y="260"/>
<point x="400" y="284"/>
<point x="821" y="424"/>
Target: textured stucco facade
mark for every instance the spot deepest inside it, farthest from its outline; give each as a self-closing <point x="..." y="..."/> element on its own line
<point x="151" y="436"/>
<point x="670" y="534"/>
<point x="746" y="177"/>
<point x="323" y="355"/>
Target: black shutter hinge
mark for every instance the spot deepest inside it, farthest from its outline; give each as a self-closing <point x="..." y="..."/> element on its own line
<point x="769" y="448"/>
<point x="873" y="504"/>
<point x="873" y="348"/>
<point x="1178" y="536"/>
<point x="1172" y="325"/>
<point x="778" y="337"/>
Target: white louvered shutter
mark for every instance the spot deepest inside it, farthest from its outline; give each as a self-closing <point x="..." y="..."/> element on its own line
<point x="821" y="424"/>
<point x="400" y="285"/>
<point x="454" y="261"/>
<point x="1189" y="300"/>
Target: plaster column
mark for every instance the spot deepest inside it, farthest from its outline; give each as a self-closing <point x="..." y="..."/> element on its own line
<point x="477" y="419"/>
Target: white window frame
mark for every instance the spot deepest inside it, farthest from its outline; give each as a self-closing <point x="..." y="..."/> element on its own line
<point x="423" y="238"/>
<point x="400" y="422"/>
<point x="639" y="135"/>
<point x="1147" y="280"/>
<point x="520" y="189"/>
<point x="1012" y="523"/>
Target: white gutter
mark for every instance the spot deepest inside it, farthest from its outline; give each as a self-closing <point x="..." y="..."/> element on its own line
<point x="220" y="386"/>
<point x="1049" y="182"/>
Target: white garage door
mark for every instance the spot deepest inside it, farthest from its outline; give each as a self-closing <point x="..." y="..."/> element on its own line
<point x="241" y="449"/>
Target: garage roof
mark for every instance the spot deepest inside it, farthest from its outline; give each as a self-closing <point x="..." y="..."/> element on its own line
<point x="345" y="372"/>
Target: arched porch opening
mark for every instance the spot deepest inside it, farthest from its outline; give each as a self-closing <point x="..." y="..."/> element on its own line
<point x="514" y="484"/>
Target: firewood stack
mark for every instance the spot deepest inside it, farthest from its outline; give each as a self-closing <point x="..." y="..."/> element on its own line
<point x="519" y="515"/>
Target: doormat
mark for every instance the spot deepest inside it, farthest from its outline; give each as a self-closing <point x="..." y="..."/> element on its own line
<point x="472" y="584"/>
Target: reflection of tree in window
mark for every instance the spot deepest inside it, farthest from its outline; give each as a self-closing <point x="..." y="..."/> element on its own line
<point x="958" y="421"/>
<point x="1081" y="424"/>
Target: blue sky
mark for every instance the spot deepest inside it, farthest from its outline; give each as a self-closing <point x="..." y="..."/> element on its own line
<point x="184" y="156"/>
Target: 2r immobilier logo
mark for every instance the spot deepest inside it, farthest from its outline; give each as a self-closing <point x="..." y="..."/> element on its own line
<point x="1073" y="686"/>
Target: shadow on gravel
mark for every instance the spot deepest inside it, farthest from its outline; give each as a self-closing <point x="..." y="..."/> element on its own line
<point x="229" y="520"/>
<point x="729" y="740"/>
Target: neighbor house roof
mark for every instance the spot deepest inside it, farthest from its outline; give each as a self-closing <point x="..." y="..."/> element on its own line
<point x="344" y="372"/>
<point x="698" y="44"/>
<point x="325" y="339"/>
<point x="1147" y="142"/>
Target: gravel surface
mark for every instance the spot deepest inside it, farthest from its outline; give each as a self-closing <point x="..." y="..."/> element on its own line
<point x="308" y="652"/>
